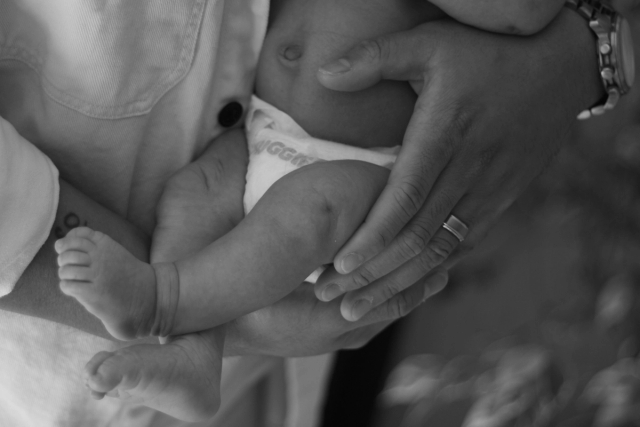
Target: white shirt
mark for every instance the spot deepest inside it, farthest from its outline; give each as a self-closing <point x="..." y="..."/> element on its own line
<point x="119" y="95"/>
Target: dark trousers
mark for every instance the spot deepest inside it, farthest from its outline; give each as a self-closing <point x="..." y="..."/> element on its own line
<point x="358" y="377"/>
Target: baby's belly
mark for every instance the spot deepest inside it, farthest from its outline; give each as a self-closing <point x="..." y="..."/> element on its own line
<point x="306" y="34"/>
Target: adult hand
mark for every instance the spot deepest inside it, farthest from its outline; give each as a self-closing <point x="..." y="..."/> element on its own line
<point x="492" y="111"/>
<point x="300" y="325"/>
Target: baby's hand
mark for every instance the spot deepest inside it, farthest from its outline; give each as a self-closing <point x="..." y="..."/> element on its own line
<point x="522" y="17"/>
<point x="202" y="201"/>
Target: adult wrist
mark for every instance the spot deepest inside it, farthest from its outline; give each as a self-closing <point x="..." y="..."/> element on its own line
<point x="585" y="69"/>
<point x="613" y="47"/>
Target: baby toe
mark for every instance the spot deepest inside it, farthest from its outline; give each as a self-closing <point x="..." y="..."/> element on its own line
<point x="74" y="243"/>
<point x="100" y="375"/>
<point x="85" y="232"/>
<point x="75" y="273"/>
<point x="74" y="258"/>
<point x="92" y="365"/>
<point x="92" y="235"/>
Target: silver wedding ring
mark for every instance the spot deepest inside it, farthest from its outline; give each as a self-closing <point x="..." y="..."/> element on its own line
<point x="456" y="227"/>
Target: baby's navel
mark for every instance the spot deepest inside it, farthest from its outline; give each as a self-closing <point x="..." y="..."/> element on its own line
<point x="291" y="52"/>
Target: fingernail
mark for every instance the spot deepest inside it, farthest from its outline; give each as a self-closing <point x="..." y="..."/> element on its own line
<point x="360" y="308"/>
<point x="351" y="262"/>
<point x="330" y="292"/>
<point x="340" y="66"/>
<point x="434" y="286"/>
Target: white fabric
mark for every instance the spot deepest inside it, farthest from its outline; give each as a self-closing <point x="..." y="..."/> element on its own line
<point x="29" y="198"/>
<point x="278" y="146"/>
<point x="307" y="379"/>
<point x="119" y="95"/>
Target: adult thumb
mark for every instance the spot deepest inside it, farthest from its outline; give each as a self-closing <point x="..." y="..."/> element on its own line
<point x="391" y="57"/>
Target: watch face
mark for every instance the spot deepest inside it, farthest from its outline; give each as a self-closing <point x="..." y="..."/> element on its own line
<point x="625" y="55"/>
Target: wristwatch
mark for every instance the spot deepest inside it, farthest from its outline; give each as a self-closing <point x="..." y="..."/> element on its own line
<point x="614" y="46"/>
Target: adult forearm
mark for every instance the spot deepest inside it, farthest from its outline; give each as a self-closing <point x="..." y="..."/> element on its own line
<point x="37" y="292"/>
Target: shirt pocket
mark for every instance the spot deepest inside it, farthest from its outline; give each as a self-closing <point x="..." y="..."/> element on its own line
<point x="107" y="59"/>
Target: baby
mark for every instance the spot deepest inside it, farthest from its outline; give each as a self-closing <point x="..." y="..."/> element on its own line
<point x="305" y="216"/>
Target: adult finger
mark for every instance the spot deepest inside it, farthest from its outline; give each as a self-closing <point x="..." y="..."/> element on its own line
<point x="356" y="304"/>
<point x="480" y="209"/>
<point x="433" y="134"/>
<point x="393" y="309"/>
<point x="441" y="251"/>
<point x="414" y="239"/>
<point x="398" y="56"/>
<point x="406" y="301"/>
<point x="489" y="207"/>
<point x="363" y="330"/>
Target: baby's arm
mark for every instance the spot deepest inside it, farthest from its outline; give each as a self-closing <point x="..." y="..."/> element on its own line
<point x="523" y="17"/>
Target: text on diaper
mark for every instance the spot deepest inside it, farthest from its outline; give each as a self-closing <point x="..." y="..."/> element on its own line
<point x="281" y="150"/>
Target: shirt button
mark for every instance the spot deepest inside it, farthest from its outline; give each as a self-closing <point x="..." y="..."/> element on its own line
<point x="230" y="114"/>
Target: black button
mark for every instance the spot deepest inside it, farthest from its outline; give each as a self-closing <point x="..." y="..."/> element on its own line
<point x="230" y="114"/>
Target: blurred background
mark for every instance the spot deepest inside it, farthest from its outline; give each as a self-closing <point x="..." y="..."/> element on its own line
<point x="540" y="325"/>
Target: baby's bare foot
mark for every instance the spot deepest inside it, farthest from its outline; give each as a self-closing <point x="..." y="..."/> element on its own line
<point x="181" y="379"/>
<point x="108" y="281"/>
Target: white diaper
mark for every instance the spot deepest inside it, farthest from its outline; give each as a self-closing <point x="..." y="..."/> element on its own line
<point x="278" y="146"/>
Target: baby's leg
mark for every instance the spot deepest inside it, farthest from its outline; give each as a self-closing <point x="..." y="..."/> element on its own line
<point x="299" y="224"/>
<point x="180" y="378"/>
<point x="200" y="203"/>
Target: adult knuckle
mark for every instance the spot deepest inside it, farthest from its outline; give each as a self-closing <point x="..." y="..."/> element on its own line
<point x="442" y="247"/>
<point x="384" y="235"/>
<point x="409" y="196"/>
<point x="400" y="306"/>
<point x="413" y="241"/>
<point x="461" y="123"/>
<point x="362" y="277"/>
<point x="436" y="252"/>
<point x="443" y="204"/>
<point x="486" y="157"/>
<point x="390" y="290"/>
<point x="373" y="49"/>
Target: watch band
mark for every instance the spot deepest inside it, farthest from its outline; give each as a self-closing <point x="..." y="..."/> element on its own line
<point x="588" y="8"/>
<point x="602" y="20"/>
